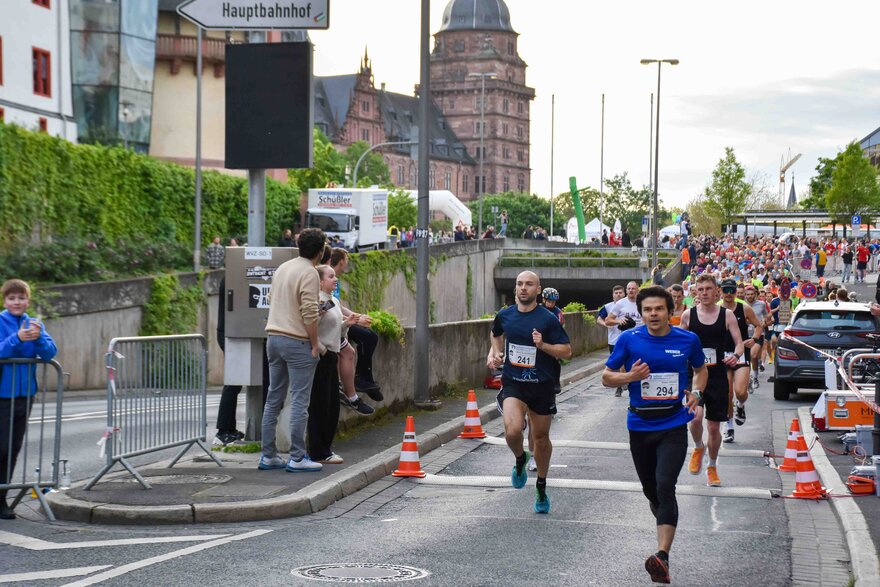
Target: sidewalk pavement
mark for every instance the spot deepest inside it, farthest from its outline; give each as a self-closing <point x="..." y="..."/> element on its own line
<point x="198" y="491"/>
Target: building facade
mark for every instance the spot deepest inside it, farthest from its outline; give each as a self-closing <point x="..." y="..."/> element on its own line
<point x="35" y="90"/>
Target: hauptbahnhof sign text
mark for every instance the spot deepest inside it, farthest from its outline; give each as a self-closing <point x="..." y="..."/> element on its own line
<point x="256" y="15"/>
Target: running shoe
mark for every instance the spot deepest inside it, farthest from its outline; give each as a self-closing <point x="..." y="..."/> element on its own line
<point x="356" y="404"/>
<point x="712" y="479"/>
<point x="761" y="367"/>
<point x="268" y="463"/>
<point x="739" y="415"/>
<point x="532" y="466"/>
<point x="333" y="459"/>
<point x="696" y="464"/>
<point x="618" y="392"/>
<point x="542" y="502"/>
<point x="304" y="465"/>
<point x="658" y="569"/>
<point x="728" y="435"/>
<point x="518" y="477"/>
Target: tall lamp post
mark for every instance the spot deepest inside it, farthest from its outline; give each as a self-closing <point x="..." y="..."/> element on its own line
<point x="481" y="179"/>
<point x="659" y="63"/>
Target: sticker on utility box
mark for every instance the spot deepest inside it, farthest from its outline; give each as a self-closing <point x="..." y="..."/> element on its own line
<point x="258" y="253"/>
<point x="257" y="272"/>
<point x="258" y="295"/>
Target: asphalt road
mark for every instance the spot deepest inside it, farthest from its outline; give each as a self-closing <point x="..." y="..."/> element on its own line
<point x="461" y="535"/>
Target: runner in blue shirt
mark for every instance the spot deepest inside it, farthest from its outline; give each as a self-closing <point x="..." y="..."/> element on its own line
<point x="527" y="340"/>
<point x="656" y="358"/>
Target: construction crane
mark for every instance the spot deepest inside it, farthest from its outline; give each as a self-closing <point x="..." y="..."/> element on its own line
<point x="783" y="167"/>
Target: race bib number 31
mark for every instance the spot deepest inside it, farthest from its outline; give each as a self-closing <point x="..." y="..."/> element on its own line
<point x="522" y="355"/>
<point x="660" y="386"/>
<point x="710" y="356"/>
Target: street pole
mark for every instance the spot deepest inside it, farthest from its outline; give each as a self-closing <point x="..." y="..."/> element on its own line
<point x="197" y="250"/>
<point x="651" y="145"/>
<point x="482" y="179"/>
<point x="552" y="144"/>
<point x="602" y="175"/>
<point x="421" y="393"/>
<point x="656" y="173"/>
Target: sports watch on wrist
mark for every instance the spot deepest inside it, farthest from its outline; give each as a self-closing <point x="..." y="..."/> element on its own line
<point x="697" y="393"/>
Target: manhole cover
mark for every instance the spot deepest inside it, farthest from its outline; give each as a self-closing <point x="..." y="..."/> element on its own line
<point x="360" y="573"/>
<point x="176" y="479"/>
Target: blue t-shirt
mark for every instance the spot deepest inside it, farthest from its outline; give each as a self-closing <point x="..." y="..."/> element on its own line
<point x="523" y="362"/>
<point x="665" y="356"/>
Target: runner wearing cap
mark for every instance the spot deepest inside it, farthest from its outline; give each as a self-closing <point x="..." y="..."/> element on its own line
<point x="712" y="324"/>
<point x="652" y="361"/>
<point x="760" y="308"/>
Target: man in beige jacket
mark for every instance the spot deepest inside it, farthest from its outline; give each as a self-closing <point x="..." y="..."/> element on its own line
<point x="293" y="350"/>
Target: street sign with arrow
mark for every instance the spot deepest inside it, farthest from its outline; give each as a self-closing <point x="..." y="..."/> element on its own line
<point x="257" y="15"/>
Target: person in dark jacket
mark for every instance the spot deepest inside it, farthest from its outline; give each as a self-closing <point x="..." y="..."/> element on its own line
<point x="21" y="337"/>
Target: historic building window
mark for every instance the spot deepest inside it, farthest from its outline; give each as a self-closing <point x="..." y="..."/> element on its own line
<point x="511" y="49"/>
<point x="432" y="177"/>
<point x="519" y="132"/>
<point x="365" y="105"/>
<point x="44" y="125"/>
<point x="505" y="106"/>
<point x="447" y="180"/>
<point x="458" y="46"/>
<point x="506" y="184"/>
<point x="520" y="156"/>
<point x="520" y="107"/>
<point x="42" y="72"/>
<point x="401" y="175"/>
<point x="452" y="104"/>
<point x="505" y="152"/>
<point x="505" y="129"/>
<point x="521" y="183"/>
<point x="478" y="127"/>
<point x="464" y="183"/>
<point x="365" y="134"/>
<point x="480" y="152"/>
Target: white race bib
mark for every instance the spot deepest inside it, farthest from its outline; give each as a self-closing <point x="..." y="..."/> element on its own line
<point x="660" y="386"/>
<point x="521" y="355"/>
<point x="710" y="356"/>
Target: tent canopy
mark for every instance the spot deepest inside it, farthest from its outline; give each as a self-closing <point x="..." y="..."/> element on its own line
<point x="671" y="230"/>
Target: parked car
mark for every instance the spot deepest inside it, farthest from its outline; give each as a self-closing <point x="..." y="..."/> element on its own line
<point x="833" y="327"/>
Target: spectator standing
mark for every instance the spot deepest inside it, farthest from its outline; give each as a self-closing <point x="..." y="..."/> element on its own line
<point x="626" y="241"/>
<point x="862" y="255"/>
<point x="293" y="350"/>
<point x="847" y="257"/>
<point x="604" y="237"/>
<point x="215" y="254"/>
<point x="21" y="337"/>
<point x="505" y="219"/>
<point x="528" y="232"/>
<point x="286" y="239"/>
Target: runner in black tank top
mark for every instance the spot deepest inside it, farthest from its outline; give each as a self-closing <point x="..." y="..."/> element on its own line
<point x="740" y="373"/>
<point x="719" y="326"/>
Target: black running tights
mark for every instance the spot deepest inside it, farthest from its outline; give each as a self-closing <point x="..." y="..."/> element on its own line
<point x="659" y="456"/>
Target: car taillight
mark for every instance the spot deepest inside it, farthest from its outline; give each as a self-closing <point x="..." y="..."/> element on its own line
<point x="785" y="353"/>
<point x="867" y="334"/>
<point x="794" y="332"/>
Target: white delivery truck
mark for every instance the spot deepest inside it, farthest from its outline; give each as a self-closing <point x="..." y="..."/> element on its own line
<point x="359" y="217"/>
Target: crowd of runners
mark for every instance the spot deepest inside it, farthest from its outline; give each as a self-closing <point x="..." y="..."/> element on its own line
<point x="688" y="356"/>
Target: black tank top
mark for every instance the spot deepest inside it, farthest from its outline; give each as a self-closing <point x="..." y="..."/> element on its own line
<point x="740" y="314"/>
<point x="711" y="335"/>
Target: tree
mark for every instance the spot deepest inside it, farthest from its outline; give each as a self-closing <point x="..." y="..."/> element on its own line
<point x="621" y="202"/>
<point x="328" y="167"/>
<point x="853" y="185"/>
<point x="372" y="171"/>
<point x="703" y="221"/>
<point x="821" y="183"/>
<point x="761" y="195"/>
<point x="402" y="210"/>
<point x="522" y="209"/>
<point x="728" y="192"/>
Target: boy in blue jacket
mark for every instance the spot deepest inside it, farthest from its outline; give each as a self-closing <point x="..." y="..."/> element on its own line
<point x="21" y="337"/>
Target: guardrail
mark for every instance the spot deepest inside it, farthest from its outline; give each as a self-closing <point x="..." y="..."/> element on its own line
<point x="21" y="469"/>
<point x="581" y="258"/>
<point x="156" y="399"/>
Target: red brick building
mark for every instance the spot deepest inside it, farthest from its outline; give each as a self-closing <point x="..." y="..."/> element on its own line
<point x="476" y="38"/>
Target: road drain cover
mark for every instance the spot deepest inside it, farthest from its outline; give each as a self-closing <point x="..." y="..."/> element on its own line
<point x="360" y="573"/>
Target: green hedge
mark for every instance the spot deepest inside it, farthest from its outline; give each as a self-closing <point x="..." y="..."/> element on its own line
<point x="52" y="189"/>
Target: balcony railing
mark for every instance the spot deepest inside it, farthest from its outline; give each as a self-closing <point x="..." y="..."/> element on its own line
<point x="185" y="48"/>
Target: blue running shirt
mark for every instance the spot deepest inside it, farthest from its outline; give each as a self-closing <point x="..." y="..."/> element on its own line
<point x="668" y="358"/>
<point x="523" y="362"/>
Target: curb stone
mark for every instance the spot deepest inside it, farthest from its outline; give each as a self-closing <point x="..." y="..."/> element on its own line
<point x="865" y="564"/>
<point x="311" y="499"/>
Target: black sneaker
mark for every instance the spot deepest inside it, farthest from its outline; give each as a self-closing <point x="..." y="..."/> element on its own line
<point x="6" y="512"/>
<point x="761" y="367"/>
<point x="370" y="388"/>
<point x="239" y="435"/>
<point x="728" y="436"/>
<point x="658" y="569"/>
<point x="357" y="405"/>
<point x="618" y="392"/>
<point x="739" y="414"/>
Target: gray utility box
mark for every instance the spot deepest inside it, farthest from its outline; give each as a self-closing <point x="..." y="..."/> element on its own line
<point x="249" y="272"/>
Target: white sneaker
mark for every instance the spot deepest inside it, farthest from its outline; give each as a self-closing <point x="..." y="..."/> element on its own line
<point x="268" y="463"/>
<point x="333" y="459"/>
<point x="304" y="465"/>
<point x="532" y="466"/>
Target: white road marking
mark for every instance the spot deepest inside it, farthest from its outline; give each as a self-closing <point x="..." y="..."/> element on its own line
<point x="124" y="569"/>
<point x="54" y="574"/>
<point x="29" y="543"/>
<point x="596" y="444"/>
<point x="716" y="523"/>
<point x="103" y="414"/>
<point x="601" y="485"/>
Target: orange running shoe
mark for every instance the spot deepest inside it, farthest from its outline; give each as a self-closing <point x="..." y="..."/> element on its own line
<point x="696" y="464"/>
<point x="712" y="476"/>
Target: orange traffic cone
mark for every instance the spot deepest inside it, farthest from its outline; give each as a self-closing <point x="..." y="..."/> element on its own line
<point x="409" y="465"/>
<point x="473" y="427"/>
<point x="807" y="484"/>
<point x="791" y="448"/>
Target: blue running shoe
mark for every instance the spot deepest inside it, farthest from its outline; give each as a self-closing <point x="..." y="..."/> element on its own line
<point x="268" y="463"/>
<point x="519" y="476"/>
<point x="542" y="502"/>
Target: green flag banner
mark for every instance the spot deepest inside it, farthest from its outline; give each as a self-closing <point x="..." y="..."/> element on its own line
<point x="578" y="209"/>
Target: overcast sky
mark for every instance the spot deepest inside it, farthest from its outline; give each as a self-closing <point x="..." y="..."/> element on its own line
<point x="761" y="77"/>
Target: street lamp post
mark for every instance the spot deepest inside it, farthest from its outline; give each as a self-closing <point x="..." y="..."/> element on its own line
<point x="481" y="178"/>
<point x="659" y="63"/>
<point x="354" y="182"/>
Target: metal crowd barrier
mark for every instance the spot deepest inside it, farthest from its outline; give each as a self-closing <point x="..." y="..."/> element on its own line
<point x="860" y="376"/>
<point x="156" y="399"/>
<point x="37" y="463"/>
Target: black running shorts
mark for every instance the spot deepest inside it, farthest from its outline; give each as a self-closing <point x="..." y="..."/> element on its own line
<point x="716" y="397"/>
<point x="539" y="397"/>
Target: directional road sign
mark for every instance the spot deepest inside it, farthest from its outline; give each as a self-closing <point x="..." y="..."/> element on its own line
<point x="256" y="14"/>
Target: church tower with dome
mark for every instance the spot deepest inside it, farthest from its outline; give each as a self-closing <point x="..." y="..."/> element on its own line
<point x="476" y="38"/>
